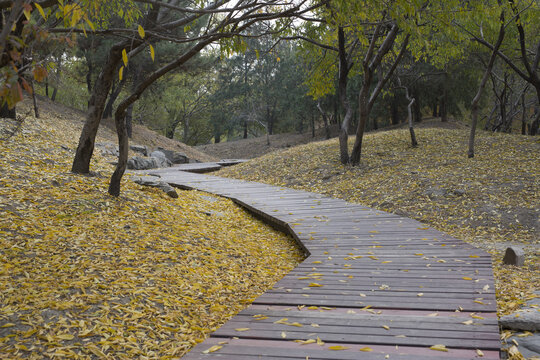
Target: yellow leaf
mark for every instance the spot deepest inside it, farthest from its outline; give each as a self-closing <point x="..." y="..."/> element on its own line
<point x="295" y="324"/>
<point x="262" y="318"/>
<point x="366" y="349"/>
<point x="152" y="53"/>
<point x="121" y="73"/>
<point x="439" y="347"/>
<point x="242" y="329"/>
<point x="479" y="352"/>
<point x="466" y="278"/>
<point x="317" y="262"/>
<point x="319" y="341"/>
<point x="468" y="322"/>
<point x="8" y="325"/>
<point x="314" y="285"/>
<point x="420" y="294"/>
<point x="283" y="334"/>
<point x="40" y="9"/>
<point x="337" y="347"/>
<point x="473" y="256"/>
<point x="386" y="327"/>
<point x="26" y="14"/>
<point x="212" y="349"/>
<point x="141" y="31"/>
<point x="124" y="57"/>
<point x="65" y="337"/>
<point x="305" y="342"/>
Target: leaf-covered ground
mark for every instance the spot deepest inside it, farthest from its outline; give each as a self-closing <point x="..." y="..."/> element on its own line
<point x="85" y="275"/>
<point x="491" y="201"/>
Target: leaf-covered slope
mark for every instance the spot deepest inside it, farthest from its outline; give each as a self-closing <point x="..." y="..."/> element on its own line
<point x="490" y="200"/>
<point x="141" y="276"/>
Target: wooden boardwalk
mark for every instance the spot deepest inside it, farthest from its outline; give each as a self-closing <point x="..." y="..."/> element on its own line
<point x="374" y="285"/>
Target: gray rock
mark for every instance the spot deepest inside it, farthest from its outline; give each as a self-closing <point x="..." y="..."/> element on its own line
<point x="528" y="346"/>
<point x="140" y="163"/>
<point x="523" y="320"/>
<point x="174" y="157"/>
<point x="108" y="149"/>
<point x="161" y="158"/>
<point x="141" y="149"/>
<point x="158" y="184"/>
<point x="514" y="255"/>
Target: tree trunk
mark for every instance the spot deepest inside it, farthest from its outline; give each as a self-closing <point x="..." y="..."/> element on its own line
<point x="123" y="148"/>
<point x="344" y="68"/>
<point x="435" y="113"/>
<point x="85" y="149"/>
<point x="245" y="136"/>
<point x="370" y="64"/>
<point x="476" y="100"/>
<point x="57" y="80"/>
<point x="414" y="143"/>
<point x="115" y="92"/>
<point x="129" y="121"/>
<point x="363" y="104"/>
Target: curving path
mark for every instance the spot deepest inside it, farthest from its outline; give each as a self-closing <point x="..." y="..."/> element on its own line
<point x="374" y="285"/>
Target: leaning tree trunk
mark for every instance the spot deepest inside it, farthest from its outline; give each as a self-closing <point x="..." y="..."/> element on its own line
<point x="120" y="114"/>
<point x="476" y="100"/>
<point x="85" y="149"/>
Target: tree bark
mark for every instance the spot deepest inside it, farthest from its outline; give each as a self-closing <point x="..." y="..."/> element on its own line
<point x="85" y="149"/>
<point x="115" y="91"/>
<point x="476" y="100"/>
<point x="344" y="68"/>
<point x="414" y="143"/>
<point x="120" y="114"/>
<point x="370" y="64"/>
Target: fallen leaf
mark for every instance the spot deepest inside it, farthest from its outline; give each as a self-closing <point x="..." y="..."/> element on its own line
<point x="439" y="347"/>
<point x="212" y="349"/>
<point x="337" y="347"/>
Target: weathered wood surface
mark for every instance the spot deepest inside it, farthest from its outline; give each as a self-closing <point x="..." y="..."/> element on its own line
<point x="371" y="281"/>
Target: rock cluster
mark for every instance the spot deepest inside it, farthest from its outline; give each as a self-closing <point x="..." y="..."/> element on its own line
<point x="146" y="159"/>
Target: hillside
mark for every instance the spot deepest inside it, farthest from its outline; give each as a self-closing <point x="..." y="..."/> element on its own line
<point x="490" y="201"/>
<point x="86" y="275"/>
<point x="74" y="119"/>
<point x="255" y="147"/>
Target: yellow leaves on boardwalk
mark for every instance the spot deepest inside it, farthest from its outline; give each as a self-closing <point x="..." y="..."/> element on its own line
<point x="85" y="274"/>
<point x="490" y="201"/>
